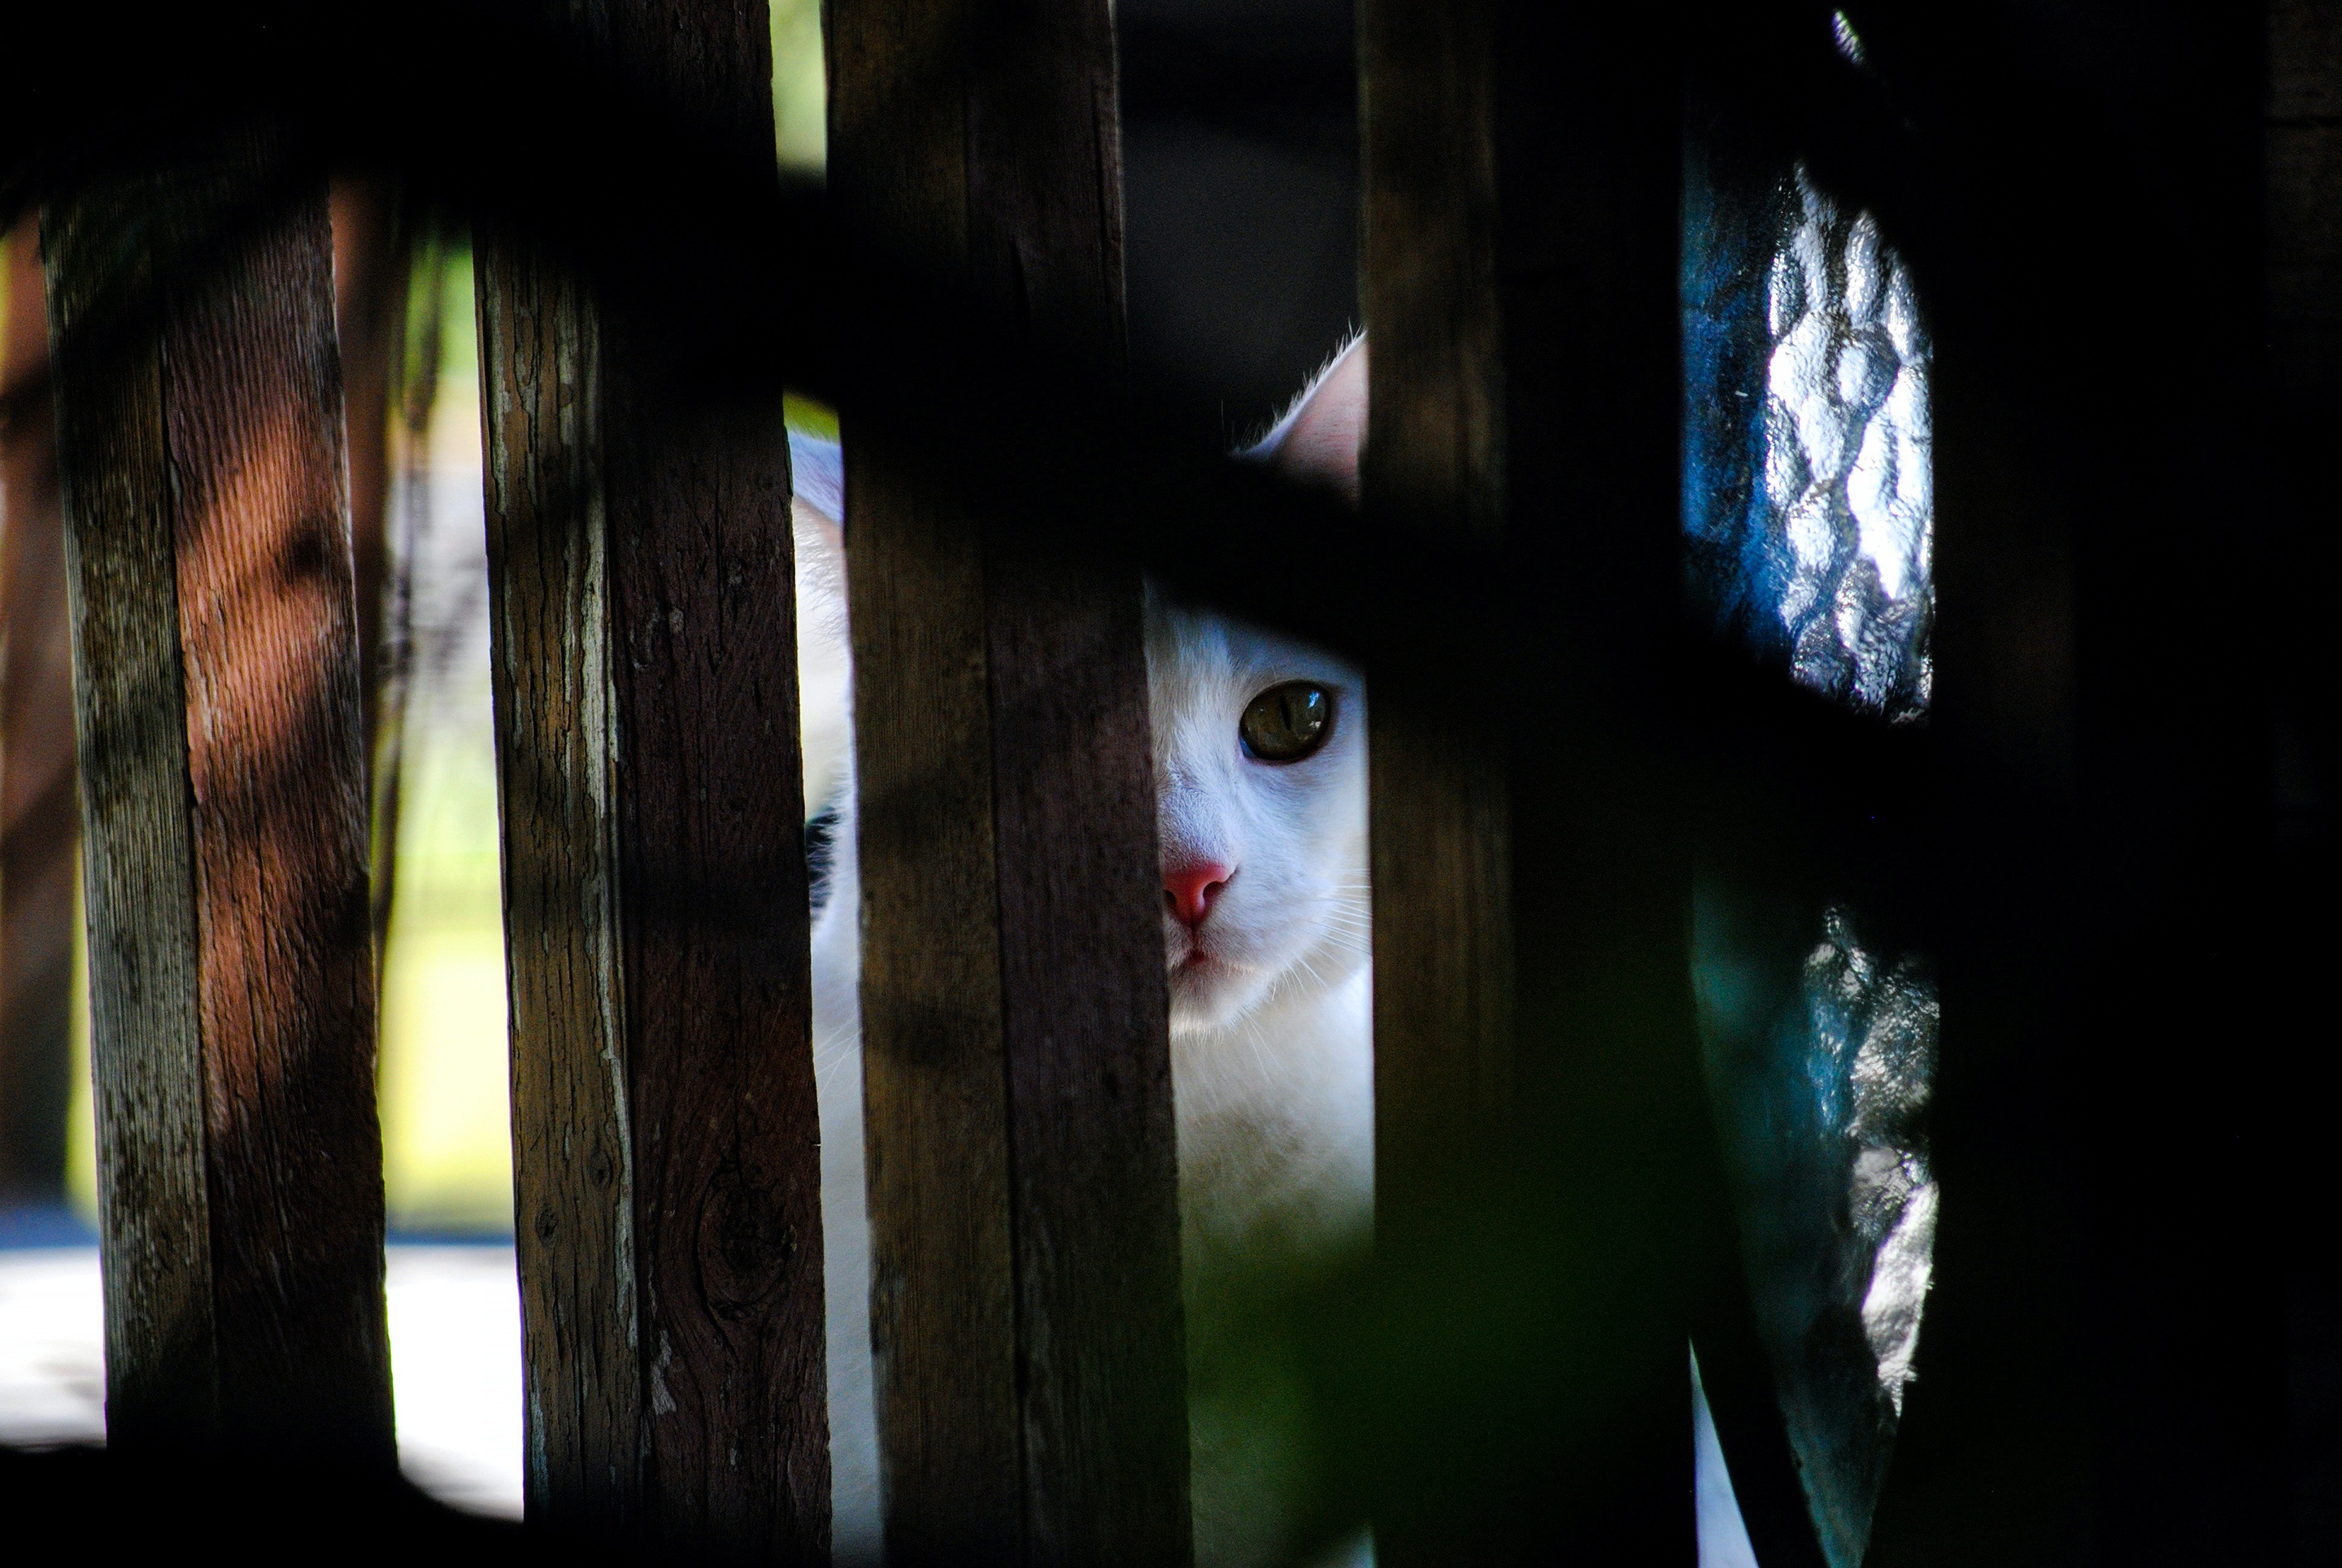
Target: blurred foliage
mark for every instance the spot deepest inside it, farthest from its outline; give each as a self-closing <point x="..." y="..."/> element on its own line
<point x="814" y="418"/>
<point x="446" y="1103"/>
<point x="444" y="1085"/>
<point x="800" y="91"/>
<point x="81" y="1112"/>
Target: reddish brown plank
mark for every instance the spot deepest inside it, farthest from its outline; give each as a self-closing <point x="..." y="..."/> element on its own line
<point x="37" y="813"/>
<point x="216" y="644"/>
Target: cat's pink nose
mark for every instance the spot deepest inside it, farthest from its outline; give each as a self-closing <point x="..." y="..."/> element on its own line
<point x="1189" y="891"/>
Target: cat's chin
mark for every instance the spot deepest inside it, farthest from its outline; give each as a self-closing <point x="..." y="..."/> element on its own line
<point x="1210" y="993"/>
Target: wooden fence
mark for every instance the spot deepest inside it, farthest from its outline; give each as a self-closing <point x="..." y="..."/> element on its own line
<point x="1534" y="836"/>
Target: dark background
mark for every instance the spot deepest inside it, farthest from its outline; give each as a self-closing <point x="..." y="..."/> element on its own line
<point x="1240" y="152"/>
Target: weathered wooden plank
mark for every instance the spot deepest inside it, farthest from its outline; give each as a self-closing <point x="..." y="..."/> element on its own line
<point x="943" y="1304"/>
<point x="2092" y="1383"/>
<point x="1439" y="793"/>
<point x="37" y="810"/>
<point x="1090" y="1130"/>
<point x="1434" y="457"/>
<point x="137" y="860"/>
<point x="1535" y="1054"/>
<point x="2302" y="170"/>
<point x="718" y="996"/>
<point x="1023" y="1181"/>
<point x="665" y="1130"/>
<point x="223" y="811"/>
<point x="1589" y="128"/>
<point x="573" y="1154"/>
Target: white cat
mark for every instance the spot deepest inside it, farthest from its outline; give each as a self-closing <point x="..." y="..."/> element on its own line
<point x="1260" y="767"/>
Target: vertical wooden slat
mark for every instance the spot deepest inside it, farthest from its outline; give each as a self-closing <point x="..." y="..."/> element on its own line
<point x="37" y="825"/>
<point x="1534" y="1058"/>
<point x="1439" y="800"/>
<point x="1022" y="1166"/>
<point x="718" y="996"/>
<point x="665" y="1135"/>
<point x="1589" y="122"/>
<point x="942" y="1308"/>
<point x="2093" y="1384"/>
<point x="1434" y="457"/>
<point x="2303" y="175"/>
<point x="137" y="860"/>
<point x="573" y="1152"/>
<point x="224" y="814"/>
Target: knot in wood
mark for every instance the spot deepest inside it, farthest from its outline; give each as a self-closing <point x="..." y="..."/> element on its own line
<point x="308" y="551"/>
<point x="746" y="1244"/>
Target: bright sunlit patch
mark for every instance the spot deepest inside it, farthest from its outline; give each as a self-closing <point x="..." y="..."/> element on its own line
<point x="1849" y="43"/>
<point x="456" y="1359"/>
<point x="1723" y="1533"/>
<point x="1820" y="1059"/>
<point x="444" y="1086"/>
<point x="455" y="1352"/>
<point x="800" y="87"/>
<point x="1809" y="475"/>
<point x="51" y="1368"/>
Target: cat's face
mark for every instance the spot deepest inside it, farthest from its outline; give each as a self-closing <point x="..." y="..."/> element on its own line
<point x="1262" y="822"/>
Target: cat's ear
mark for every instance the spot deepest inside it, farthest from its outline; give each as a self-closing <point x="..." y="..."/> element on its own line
<point x="1320" y="436"/>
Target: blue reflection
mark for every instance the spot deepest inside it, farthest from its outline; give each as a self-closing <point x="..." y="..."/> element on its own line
<point x="1809" y="498"/>
<point x="1820" y="1056"/>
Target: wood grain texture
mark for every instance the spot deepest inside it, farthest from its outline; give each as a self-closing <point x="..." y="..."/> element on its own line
<point x="943" y="1297"/>
<point x="666" y="1122"/>
<point x="162" y="1361"/>
<point x="718" y="994"/>
<point x="718" y="991"/>
<point x="573" y="1152"/>
<point x="1439" y="794"/>
<point x="1440" y="801"/>
<point x="1084" y="1008"/>
<point x="37" y="810"/>
<point x="224" y="810"/>
<point x="1534" y="1051"/>
<point x="1023" y="1176"/>
<point x="1427" y="283"/>
<point x="1589" y="108"/>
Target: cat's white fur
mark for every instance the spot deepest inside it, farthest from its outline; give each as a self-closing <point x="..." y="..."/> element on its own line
<point x="1272" y="1068"/>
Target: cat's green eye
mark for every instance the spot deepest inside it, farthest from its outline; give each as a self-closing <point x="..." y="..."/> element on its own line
<point x="1286" y="723"/>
